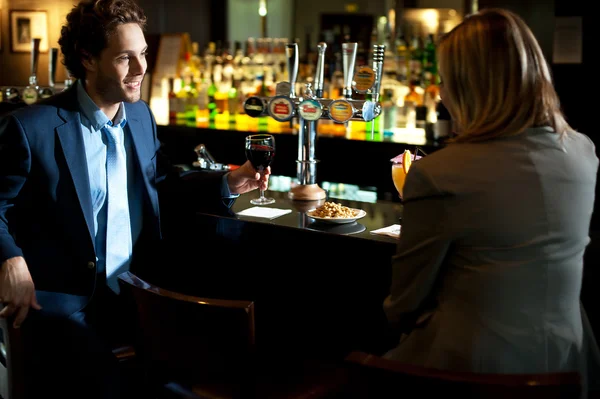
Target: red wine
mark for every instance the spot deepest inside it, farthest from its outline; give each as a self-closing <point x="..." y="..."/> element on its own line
<point x="260" y="156"/>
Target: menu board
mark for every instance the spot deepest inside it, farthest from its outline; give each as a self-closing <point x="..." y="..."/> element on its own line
<point x="170" y="51"/>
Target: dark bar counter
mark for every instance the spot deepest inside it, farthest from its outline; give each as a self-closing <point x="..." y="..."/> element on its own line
<point x="318" y="288"/>
<point x="358" y="160"/>
<point x="312" y="289"/>
<point x="380" y="214"/>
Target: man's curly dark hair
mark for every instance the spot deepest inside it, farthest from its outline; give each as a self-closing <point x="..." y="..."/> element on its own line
<point x="88" y="27"/>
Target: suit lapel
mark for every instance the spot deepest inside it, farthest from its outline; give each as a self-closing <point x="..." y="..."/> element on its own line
<point x="144" y="148"/>
<point x="71" y="140"/>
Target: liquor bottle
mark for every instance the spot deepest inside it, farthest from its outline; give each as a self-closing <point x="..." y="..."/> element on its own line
<point x="414" y="94"/>
<point x="31" y="92"/>
<point x="402" y="59"/>
<point x="173" y="102"/>
<point x="388" y="105"/>
<point x="431" y="98"/>
<point x="421" y="118"/>
<point x="233" y="101"/>
<point x="195" y="61"/>
<point x="416" y="60"/>
<point x="202" y="100"/>
<point x="191" y="102"/>
<point x="429" y="58"/>
<point x="390" y="62"/>
<point x="212" y="103"/>
<point x="442" y="128"/>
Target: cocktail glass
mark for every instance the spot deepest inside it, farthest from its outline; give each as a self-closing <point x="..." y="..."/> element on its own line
<point x="400" y="168"/>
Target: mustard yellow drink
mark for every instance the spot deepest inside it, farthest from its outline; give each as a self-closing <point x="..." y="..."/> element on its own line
<point x="400" y="166"/>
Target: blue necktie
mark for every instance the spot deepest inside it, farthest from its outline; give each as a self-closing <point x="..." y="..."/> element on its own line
<point x="118" y="224"/>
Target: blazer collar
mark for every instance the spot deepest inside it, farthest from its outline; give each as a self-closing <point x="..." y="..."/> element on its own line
<point x="71" y="139"/>
<point x="144" y="145"/>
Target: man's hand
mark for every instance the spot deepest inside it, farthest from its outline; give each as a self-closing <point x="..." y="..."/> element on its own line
<point x="17" y="291"/>
<point x="246" y="178"/>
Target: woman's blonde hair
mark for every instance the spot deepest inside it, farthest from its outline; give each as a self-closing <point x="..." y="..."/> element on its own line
<point x="496" y="79"/>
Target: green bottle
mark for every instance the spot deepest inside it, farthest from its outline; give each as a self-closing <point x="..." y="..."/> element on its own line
<point x="212" y="103"/>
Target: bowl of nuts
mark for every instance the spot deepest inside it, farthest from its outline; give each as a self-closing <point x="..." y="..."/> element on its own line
<point x="333" y="212"/>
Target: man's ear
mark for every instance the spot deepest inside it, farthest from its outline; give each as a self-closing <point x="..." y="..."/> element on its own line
<point x="88" y="62"/>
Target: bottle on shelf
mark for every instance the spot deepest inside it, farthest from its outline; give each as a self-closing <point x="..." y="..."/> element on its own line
<point x="442" y="129"/>
<point x="415" y="71"/>
<point x="388" y="104"/>
<point x="402" y="59"/>
<point x="429" y="57"/>
<point x="173" y="102"/>
<point x="31" y="92"/>
<point x="212" y="103"/>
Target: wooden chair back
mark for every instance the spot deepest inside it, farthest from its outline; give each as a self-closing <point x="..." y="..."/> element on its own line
<point x="371" y="376"/>
<point x="12" y="372"/>
<point x="182" y="335"/>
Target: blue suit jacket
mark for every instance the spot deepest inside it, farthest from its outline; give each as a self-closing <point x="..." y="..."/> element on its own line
<point x="45" y="202"/>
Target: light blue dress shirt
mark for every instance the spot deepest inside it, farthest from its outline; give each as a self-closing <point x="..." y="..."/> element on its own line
<point x="95" y="142"/>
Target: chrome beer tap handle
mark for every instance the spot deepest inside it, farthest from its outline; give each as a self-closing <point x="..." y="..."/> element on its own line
<point x="349" y="59"/>
<point x="202" y="153"/>
<point x="319" y="81"/>
<point x="308" y="92"/>
<point x="372" y="109"/>
<point x="206" y="160"/>
<point x="378" y="55"/>
<point x="291" y="52"/>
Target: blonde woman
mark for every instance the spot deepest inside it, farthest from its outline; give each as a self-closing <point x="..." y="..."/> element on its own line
<point x="488" y="271"/>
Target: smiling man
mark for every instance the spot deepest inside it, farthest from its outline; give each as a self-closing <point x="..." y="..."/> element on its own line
<point x="79" y="181"/>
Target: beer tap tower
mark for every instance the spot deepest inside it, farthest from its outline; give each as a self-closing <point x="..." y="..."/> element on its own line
<point x="311" y="107"/>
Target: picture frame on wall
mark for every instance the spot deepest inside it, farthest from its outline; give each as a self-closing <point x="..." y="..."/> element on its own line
<point x="26" y="25"/>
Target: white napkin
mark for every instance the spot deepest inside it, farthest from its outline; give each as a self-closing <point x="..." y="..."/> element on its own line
<point x="264" y="212"/>
<point x="392" y="231"/>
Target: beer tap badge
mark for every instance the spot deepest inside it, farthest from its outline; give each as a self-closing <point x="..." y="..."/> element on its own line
<point x="283" y="88"/>
<point x="310" y="110"/>
<point x="341" y="111"/>
<point x="364" y="79"/>
<point x="281" y="108"/>
<point x="254" y="106"/>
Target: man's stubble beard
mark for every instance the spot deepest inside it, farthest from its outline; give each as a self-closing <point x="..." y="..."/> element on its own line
<point x="114" y="92"/>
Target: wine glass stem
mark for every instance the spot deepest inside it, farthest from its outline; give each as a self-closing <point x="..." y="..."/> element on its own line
<point x="262" y="192"/>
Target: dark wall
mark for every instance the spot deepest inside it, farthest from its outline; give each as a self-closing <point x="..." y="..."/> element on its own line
<point x="568" y="78"/>
<point x="539" y="15"/>
<point x="204" y="20"/>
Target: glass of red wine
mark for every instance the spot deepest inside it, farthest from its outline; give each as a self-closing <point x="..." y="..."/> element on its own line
<point x="260" y="151"/>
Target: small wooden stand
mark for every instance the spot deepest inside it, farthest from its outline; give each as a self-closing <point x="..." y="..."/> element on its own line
<point x="307" y="192"/>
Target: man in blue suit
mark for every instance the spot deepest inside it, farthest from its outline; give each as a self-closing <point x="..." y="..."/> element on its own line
<point x="56" y="267"/>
